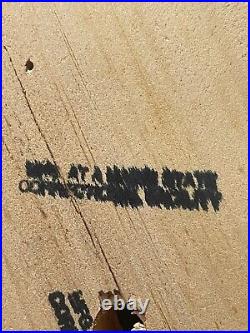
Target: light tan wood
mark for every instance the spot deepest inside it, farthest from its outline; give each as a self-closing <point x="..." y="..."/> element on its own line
<point x="161" y="84"/>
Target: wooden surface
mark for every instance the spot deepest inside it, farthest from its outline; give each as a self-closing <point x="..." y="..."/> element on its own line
<point x="129" y="85"/>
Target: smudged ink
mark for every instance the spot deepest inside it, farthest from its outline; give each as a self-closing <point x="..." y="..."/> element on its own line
<point x="66" y="321"/>
<point x="123" y="186"/>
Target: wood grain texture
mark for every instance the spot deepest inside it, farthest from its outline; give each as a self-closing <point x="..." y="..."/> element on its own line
<point x="161" y="84"/>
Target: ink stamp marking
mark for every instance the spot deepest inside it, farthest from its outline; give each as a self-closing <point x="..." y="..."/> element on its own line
<point x="172" y="189"/>
<point x="62" y="312"/>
